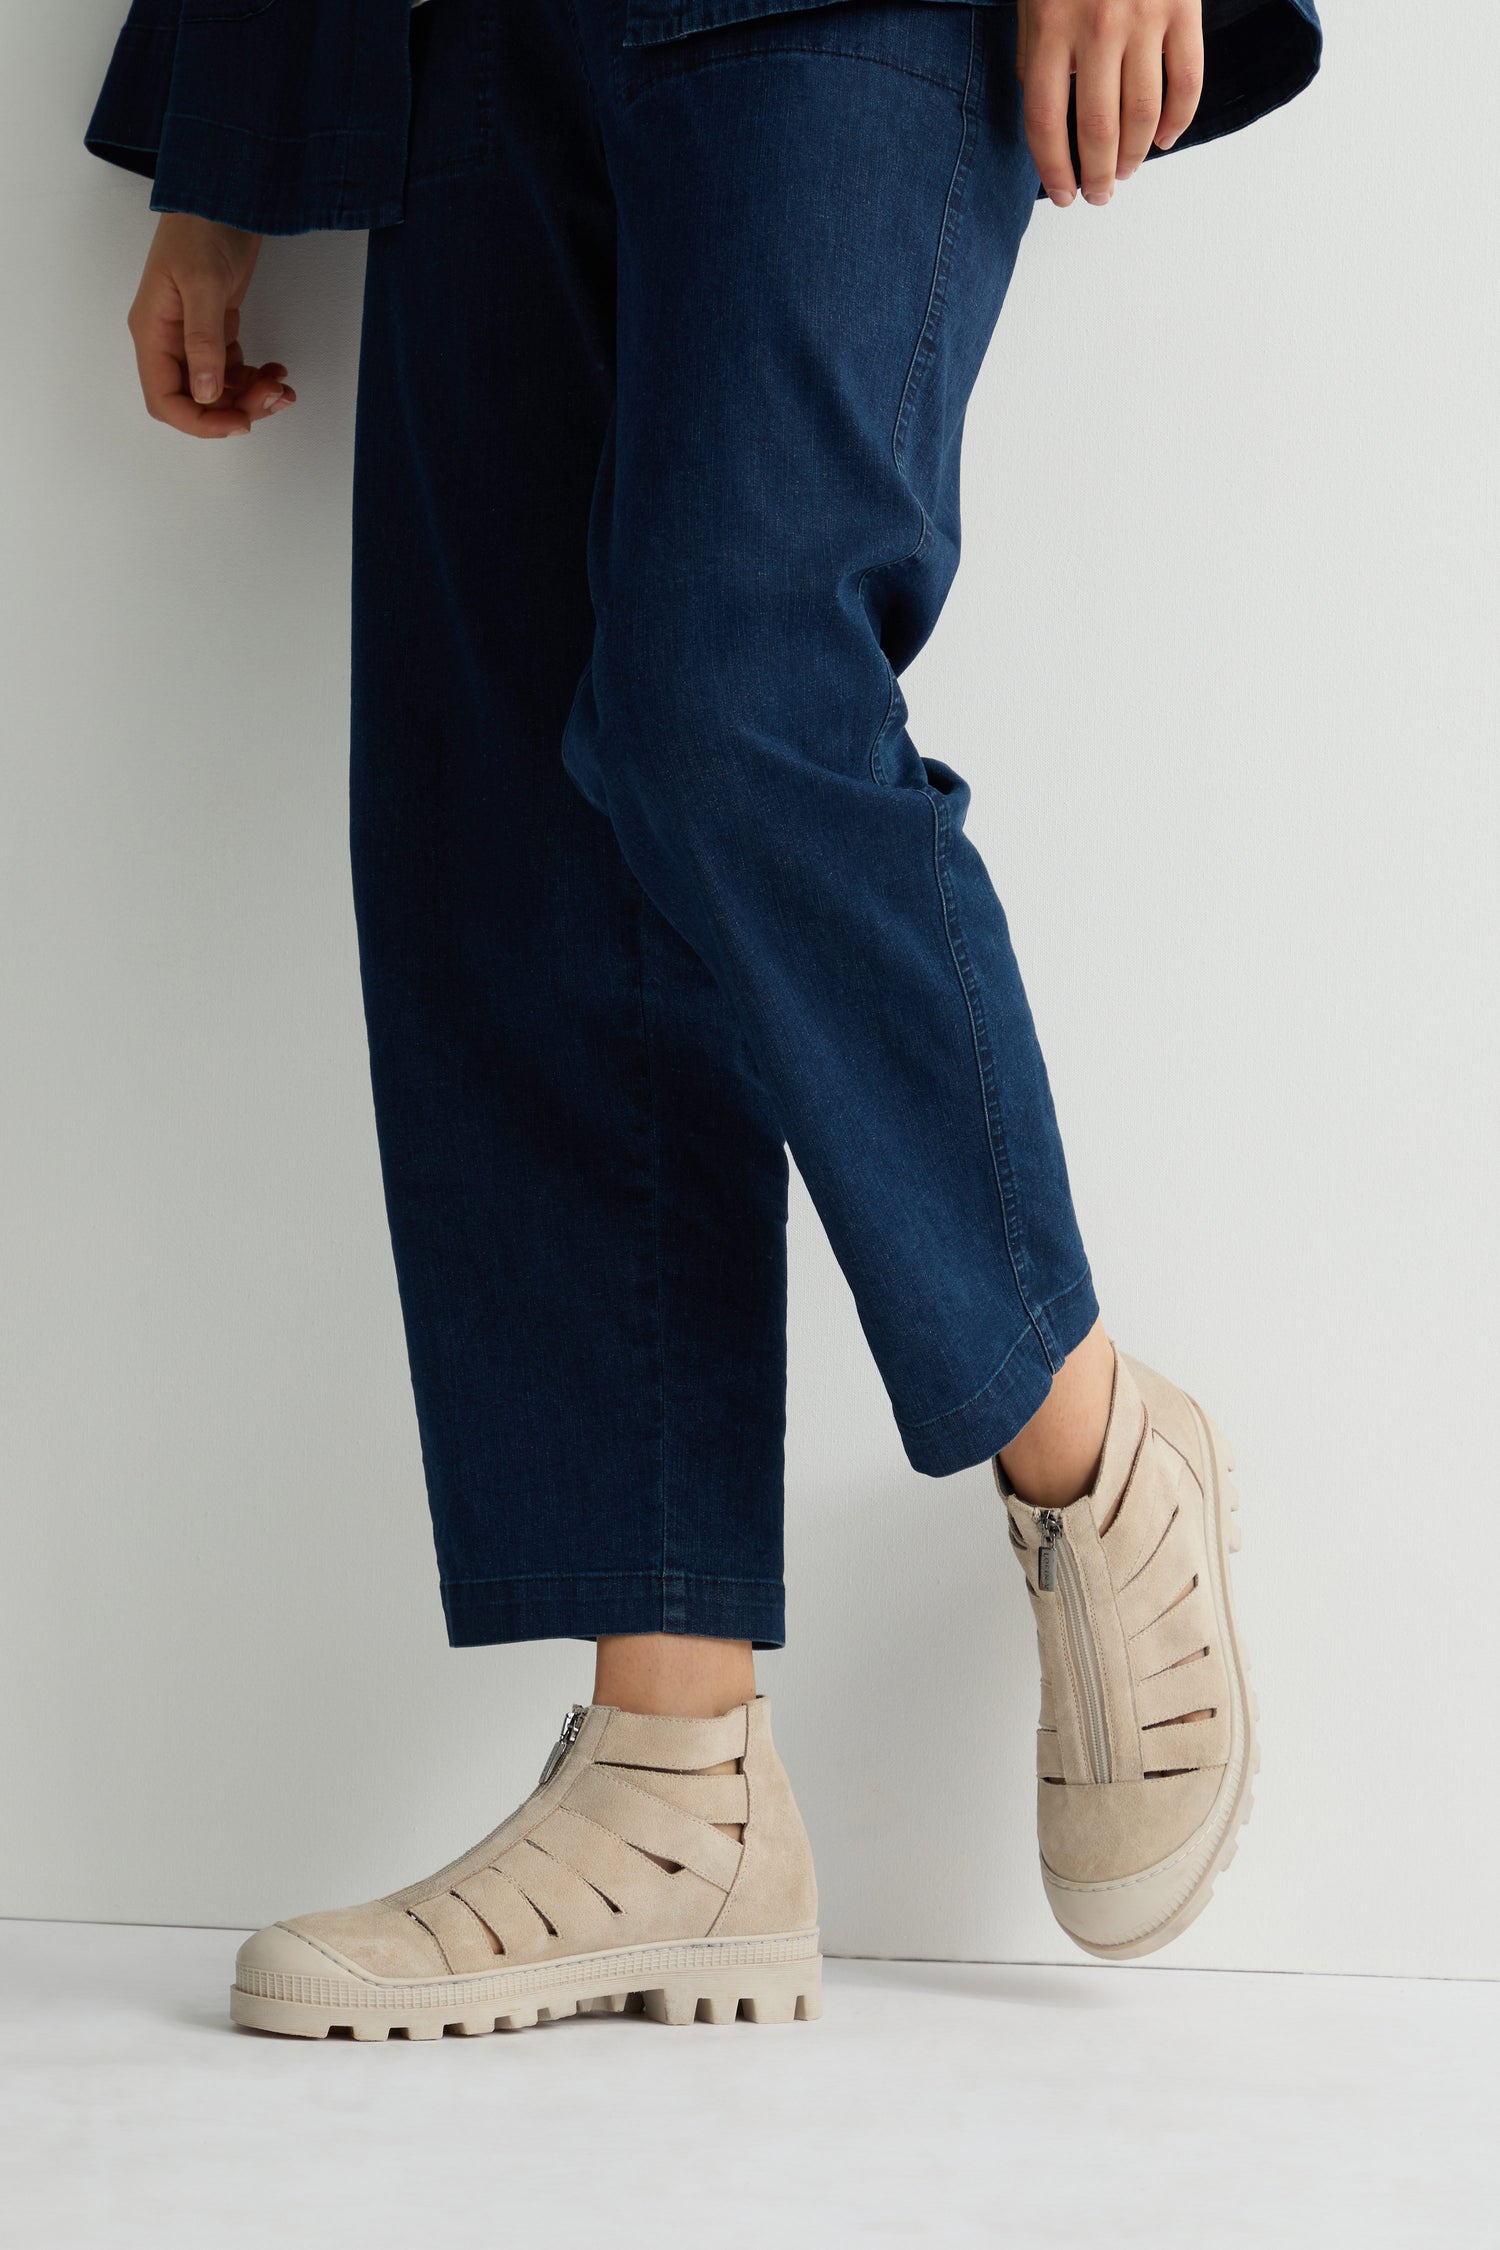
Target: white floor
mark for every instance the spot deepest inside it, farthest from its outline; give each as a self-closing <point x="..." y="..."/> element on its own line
<point x="936" y="2103"/>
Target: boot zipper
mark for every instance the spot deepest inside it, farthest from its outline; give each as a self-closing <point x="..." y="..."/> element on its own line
<point x="571" y="1728"/>
<point x="1057" y="1570"/>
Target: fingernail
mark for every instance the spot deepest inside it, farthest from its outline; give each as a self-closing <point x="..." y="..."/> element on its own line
<point x="277" y="404"/>
<point x="1062" y="201"/>
<point x="205" y="389"/>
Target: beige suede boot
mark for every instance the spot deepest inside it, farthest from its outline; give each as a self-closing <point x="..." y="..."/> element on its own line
<point x="1146" y="1744"/>
<point x="614" y="1882"/>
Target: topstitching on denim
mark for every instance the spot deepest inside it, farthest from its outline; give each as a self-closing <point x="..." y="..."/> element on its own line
<point x="467" y="142"/>
<point x="658" y="1283"/>
<point x="635" y="78"/>
<point x="923" y="354"/>
<point x="1005" y="1188"/>
<point x="916" y="366"/>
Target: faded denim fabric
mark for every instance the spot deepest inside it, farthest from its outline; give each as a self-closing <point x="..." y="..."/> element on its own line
<point x="281" y="116"/>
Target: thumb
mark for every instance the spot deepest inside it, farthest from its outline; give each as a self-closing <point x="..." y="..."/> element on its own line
<point x="204" y="302"/>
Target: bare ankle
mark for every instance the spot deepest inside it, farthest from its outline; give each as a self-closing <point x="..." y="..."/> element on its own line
<point x="673" y="1675"/>
<point x="1055" y="1459"/>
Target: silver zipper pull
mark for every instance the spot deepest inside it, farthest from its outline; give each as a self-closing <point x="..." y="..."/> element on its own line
<point x="571" y="1728"/>
<point x="1049" y="1524"/>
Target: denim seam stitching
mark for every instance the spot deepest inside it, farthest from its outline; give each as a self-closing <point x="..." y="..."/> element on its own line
<point x="964" y="1405"/>
<point x="916" y="365"/>
<point x="661" y="1365"/>
<point x="950" y="1413"/>
<point x="674" y="73"/>
<point x="1084" y="1274"/>
<point x="279" y="140"/>
<point x="921" y="360"/>
<point x="877" y="770"/>
<point x="575" y="32"/>
<point x="340" y="188"/>
<point x="190" y="18"/>
<point x="924" y="348"/>
<point x="985" y="1062"/>
<point x="479" y="154"/>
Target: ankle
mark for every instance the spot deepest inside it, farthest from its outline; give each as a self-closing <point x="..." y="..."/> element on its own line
<point x="673" y="1675"/>
<point x="1055" y="1459"/>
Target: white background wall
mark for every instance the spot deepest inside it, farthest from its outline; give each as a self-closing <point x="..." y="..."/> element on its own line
<point x="1222" y="669"/>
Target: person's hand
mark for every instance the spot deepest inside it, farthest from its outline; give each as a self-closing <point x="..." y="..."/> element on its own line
<point x="185" y="323"/>
<point x="1118" y="51"/>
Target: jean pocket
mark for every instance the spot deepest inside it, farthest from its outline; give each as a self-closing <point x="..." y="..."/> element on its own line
<point x="453" y="45"/>
<point x="650" y="23"/>
<point x="666" y="40"/>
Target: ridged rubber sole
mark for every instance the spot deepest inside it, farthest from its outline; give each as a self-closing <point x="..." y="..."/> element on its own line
<point x="755" y="1980"/>
<point x="1206" y="1855"/>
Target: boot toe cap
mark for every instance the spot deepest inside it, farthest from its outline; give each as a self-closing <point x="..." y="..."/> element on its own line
<point x="278" y="1952"/>
<point x="1123" y="1861"/>
<point x="378" y="1941"/>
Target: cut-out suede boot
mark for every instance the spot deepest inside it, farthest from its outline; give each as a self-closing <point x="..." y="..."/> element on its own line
<point x="1146" y="1743"/>
<point x="614" y="1884"/>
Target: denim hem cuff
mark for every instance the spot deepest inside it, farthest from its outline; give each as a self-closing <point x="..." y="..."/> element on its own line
<point x="581" y="1606"/>
<point x="975" y="1431"/>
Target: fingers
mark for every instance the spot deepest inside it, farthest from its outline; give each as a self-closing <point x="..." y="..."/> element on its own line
<point x="205" y="334"/>
<point x="250" y="394"/>
<point x="247" y="395"/>
<point x="1047" y="86"/>
<point x="1098" y="108"/>
<point x="1140" y="103"/>
<point x="258" y="392"/>
<point x="162" y="386"/>
<point x="1112" y="57"/>
<point x="1183" y="55"/>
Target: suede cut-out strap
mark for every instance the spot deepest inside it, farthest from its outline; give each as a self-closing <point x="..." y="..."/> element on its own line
<point x="1133" y="1482"/>
<point x="717" y="1797"/>
<point x="1184" y="1629"/>
<point x="1140" y="1523"/>
<point x="1187" y="1743"/>
<point x="511" y="1918"/>
<point x="1163" y="1582"/>
<point x="626" y="1877"/>
<point x="1193" y="1656"/>
<point x="566" y="1901"/>
<point x="1171" y="1694"/>
<point x="460" y="1932"/>
<point x="633" y="1738"/>
<point x="1157" y="1582"/>
<point x="652" y="1825"/>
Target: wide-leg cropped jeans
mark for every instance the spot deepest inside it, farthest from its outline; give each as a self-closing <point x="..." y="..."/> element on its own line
<point x="663" y="385"/>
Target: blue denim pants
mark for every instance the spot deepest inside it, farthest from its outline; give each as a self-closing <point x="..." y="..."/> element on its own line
<point x="662" y="392"/>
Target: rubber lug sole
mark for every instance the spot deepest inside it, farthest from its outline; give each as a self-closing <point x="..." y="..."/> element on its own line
<point x="704" y="1984"/>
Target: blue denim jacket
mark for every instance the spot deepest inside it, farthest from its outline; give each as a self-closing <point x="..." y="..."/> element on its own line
<point x="280" y="116"/>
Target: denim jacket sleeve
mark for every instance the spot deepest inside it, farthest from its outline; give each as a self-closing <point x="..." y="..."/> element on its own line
<point x="282" y="116"/>
<point x="278" y="116"/>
